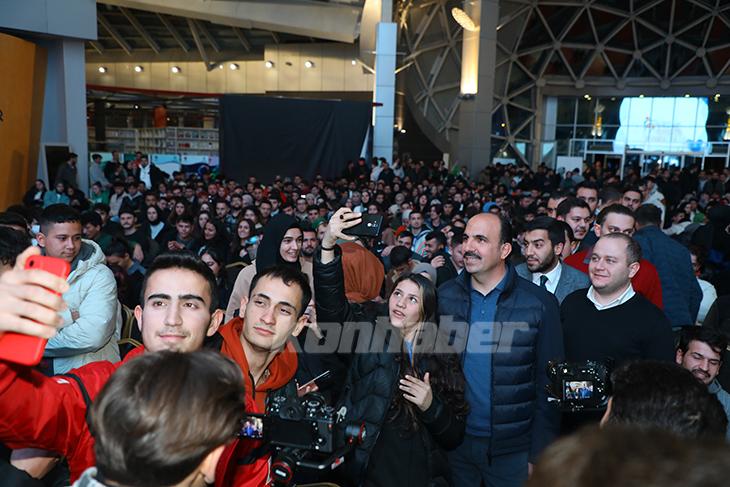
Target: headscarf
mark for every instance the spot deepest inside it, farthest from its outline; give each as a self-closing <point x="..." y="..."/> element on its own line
<point x="363" y="272"/>
<point x="268" y="254"/>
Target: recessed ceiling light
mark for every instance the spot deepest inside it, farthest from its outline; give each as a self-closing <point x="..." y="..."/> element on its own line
<point x="102" y="69"/>
<point x="233" y="66"/>
<point x="269" y="64"/>
<point x="354" y="62"/>
<point x="175" y="69"/>
<point x="138" y="69"/>
<point x="308" y="64"/>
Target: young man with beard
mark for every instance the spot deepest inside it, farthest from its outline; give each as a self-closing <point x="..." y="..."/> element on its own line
<point x="435" y="253"/>
<point x="700" y="351"/>
<point x="309" y="243"/>
<point x="178" y="313"/>
<point x="544" y="240"/>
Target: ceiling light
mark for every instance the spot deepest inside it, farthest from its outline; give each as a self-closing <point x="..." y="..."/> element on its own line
<point x="220" y="66"/>
<point x="403" y="131"/>
<point x="686" y="95"/>
<point x="138" y="69"/>
<point x="102" y="69"/>
<point x="641" y="95"/>
<point x="269" y="64"/>
<point x="233" y="66"/>
<point x="354" y="62"/>
<point x="308" y="64"/>
<point x="175" y="69"/>
<point x="464" y="20"/>
<point x="136" y="107"/>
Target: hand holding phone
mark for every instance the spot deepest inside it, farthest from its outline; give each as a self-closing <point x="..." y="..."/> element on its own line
<point x="30" y="299"/>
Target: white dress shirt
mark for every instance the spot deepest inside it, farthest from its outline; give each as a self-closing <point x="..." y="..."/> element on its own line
<point x="553" y="277"/>
<point x="625" y="296"/>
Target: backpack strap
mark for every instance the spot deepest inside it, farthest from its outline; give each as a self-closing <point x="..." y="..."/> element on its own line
<point x="84" y="392"/>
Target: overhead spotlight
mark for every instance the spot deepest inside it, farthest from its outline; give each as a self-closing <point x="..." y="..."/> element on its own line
<point x="136" y="107"/>
<point x="503" y="125"/>
<point x="102" y="69"/>
<point x="403" y="131"/>
<point x="613" y="98"/>
<point x="233" y="66"/>
<point x="464" y="20"/>
<point x="686" y="95"/>
<point x="641" y="95"/>
<point x="220" y="66"/>
<point x="175" y="69"/>
<point x="269" y="64"/>
<point x="138" y="69"/>
<point x="354" y="62"/>
<point x="308" y="64"/>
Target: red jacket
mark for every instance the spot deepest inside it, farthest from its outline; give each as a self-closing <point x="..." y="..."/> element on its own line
<point x="49" y="413"/>
<point x="645" y="282"/>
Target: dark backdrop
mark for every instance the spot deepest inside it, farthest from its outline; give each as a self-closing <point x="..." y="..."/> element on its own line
<point x="264" y="137"/>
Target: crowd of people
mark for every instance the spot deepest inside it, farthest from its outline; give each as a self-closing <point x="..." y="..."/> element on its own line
<point x="436" y="333"/>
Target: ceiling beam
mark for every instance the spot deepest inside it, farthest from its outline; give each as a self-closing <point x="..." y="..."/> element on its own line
<point x="115" y="35"/>
<point x="97" y="46"/>
<point x="242" y="39"/>
<point x="140" y="28"/>
<point x="199" y="43"/>
<point x="211" y="40"/>
<point x="321" y="20"/>
<point x="275" y="36"/>
<point x="174" y="33"/>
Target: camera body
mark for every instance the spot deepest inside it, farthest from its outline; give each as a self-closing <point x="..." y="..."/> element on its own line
<point x="305" y="423"/>
<point x="581" y="386"/>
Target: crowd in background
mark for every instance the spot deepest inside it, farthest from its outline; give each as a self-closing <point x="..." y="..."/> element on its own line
<point x="609" y="268"/>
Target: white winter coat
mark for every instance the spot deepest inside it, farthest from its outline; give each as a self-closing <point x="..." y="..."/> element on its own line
<point x="93" y="294"/>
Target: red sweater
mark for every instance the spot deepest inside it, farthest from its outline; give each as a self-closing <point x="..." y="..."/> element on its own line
<point x="645" y="282"/>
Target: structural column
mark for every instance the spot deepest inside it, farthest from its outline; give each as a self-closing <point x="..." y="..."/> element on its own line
<point x="472" y="146"/>
<point x="64" y="107"/>
<point x="386" y="33"/>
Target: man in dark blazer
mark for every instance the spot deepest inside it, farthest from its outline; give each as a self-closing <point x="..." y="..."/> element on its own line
<point x="150" y="174"/>
<point x="544" y="241"/>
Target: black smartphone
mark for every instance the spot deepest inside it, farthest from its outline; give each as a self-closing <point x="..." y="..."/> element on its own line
<point x="368" y="227"/>
<point x="252" y="426"/>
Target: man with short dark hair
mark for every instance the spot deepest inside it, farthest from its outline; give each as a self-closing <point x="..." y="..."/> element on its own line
<point x="309" y="243"/>
<point x="620" y="219"/>
<point x="576" y="213"/>
<point x="544" y="240"/>
<point x="632" y="198"/>
<point x="554" y="200"/>
<point x="67" y="172"/>
<point x="91" y="223"/>
<point x="701" y="351"/>
<point x="149" y="173"/>
<point x="510" y="421"/>
<point x="435" y="253"/>
<point x="92" y="320"/>
<point x="417" y="226"/>
<point x="183" y="237"/>
<point x="96" y="173"/>
<point x="12" y="243"/>
<point x="681" y="292"/>
<point x="118" y="253"/>
<point x="611" y="320"/>
<point x="588" y="192"/>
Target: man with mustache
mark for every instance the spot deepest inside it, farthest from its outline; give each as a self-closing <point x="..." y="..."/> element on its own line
<point x="700" y="351"/>
<point x="513" y="331"/>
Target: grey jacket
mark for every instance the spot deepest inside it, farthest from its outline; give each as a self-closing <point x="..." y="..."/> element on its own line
<point x="88" y="479"/>
<point x="724" y="398"/>
<point x="571" y="279"/>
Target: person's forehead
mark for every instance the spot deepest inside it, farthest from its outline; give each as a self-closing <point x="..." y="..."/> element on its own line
<point x="579" y="211"/>
<point x="538" y="234"/>
<point x="409" y="287"/>
<point x="587" y="190"/>
<point x="277" y="290"/>
<point x="66" y="228"/>
<point x="293" y="233"/>
<point x="177" y="282"/>
<point x="619" y="220"/>
<point x="483" y="224"/>
<point x="703" y="348"/>
<point x="610" y="247"/>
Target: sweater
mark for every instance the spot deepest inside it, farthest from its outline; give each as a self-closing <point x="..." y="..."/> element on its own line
<point x="635" y="330"/>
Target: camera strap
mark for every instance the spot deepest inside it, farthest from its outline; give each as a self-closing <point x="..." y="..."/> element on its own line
<point x="84" y="392"/>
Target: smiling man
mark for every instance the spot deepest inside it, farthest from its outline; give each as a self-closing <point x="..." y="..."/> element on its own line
<point x="611" y="320"/>
<point x="576" y="213"/>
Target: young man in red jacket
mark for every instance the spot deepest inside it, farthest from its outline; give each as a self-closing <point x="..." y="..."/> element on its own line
<point x="620" y="219"/>
<point x="179" y="311"/>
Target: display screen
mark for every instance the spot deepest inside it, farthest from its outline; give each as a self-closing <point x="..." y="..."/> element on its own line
<point x="578" y="389"/>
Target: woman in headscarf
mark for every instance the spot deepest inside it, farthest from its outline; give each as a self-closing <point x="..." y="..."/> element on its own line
<point x="281" y="244"/>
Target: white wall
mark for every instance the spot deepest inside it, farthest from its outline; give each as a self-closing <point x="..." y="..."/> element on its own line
<point x="333" y="71"/>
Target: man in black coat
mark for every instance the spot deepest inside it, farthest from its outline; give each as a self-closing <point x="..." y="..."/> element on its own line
<point x="513" y="329"/>
<point x="150" y="174"/>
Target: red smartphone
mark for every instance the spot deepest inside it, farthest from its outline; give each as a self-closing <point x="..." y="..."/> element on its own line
<point x="26" y="349"/>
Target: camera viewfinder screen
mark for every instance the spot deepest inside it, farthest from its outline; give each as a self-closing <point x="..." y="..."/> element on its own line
<point x="578" y="389"/>
<point x="253" y="427"/>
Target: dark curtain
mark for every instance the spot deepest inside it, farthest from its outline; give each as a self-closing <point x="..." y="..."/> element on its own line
<point x="265" y="137"/>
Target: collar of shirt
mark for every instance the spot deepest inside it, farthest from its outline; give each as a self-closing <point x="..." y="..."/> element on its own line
<point x="625" y="296"/>
<point x="553" y="277"/>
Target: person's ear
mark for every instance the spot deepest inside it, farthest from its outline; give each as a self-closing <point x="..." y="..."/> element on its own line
<point x="210" y="462"/>
<point x="138" y="317"/>
<point x="633" y="269"/>
<point x="505" y="250"/>
<point x="215" y="322"/>
<point x="242" y="307"/>
<point x="679" y="356"/>
<point x="597" y="230"/>
<point x="41" y="239"/>
<point x="301" y="323"/>
<point x="558" y="249"/>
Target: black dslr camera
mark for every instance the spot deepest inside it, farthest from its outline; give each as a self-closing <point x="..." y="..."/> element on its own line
<point x="303" y="431"/>
<point x="581" y="386"/>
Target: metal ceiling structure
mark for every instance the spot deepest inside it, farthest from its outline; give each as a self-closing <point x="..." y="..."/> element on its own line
<point x="563" y="47"/>
<point x="150" y="32"/>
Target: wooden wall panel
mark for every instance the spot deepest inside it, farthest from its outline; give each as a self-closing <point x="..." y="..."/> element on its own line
<point x="21" y="103"/>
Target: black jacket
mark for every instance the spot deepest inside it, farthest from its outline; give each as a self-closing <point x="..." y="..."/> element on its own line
<point x="157" y="176"/>
<point x="531" y="336"/>
<point x="372" y="382"/>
